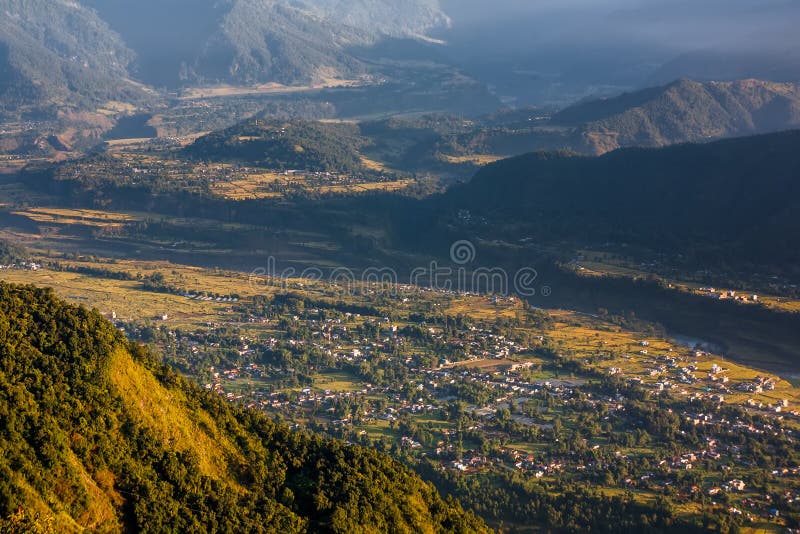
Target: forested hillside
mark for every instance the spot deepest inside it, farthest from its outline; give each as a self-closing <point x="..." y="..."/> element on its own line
<point x="284" y="145"/>
<point x="735" y="198"/>
<point x="97" y="434"/>
<point x="56" y="52"/>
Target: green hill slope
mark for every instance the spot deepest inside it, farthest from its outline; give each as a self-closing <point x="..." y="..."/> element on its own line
<point x="284" y="145"/>
<point x="96" y="434"/>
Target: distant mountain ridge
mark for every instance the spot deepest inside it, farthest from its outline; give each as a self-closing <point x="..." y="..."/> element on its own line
<point x="735" y="198"/>
<point x="84" y="53"/>
<point x="59" y="53"/>
<point x="253" y="41"/>
<point x="682" y="111"/>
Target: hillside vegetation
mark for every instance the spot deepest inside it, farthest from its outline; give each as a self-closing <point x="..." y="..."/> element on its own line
<point x="680" y="112"/>
<point x="97" y="434"/>
<point x="733" y="198"/>
<point x="84" y="54"/>
<point x="56" y="52"/>
<point x="284" y="145"/>
<point x="180" y="42"/>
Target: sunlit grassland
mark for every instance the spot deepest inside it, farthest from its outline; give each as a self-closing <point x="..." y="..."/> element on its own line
<point x="378" y="429"/>
<point x="73" y="219"/>
<point x="164" y="412"/>
<point x="394" y="185"/>
<point x="373" y="165"/>
<point x="338" y="381"/>
<point x="252" y="187"/>
<point x="83" y="217"/>
<point x="474" y="159"/>
<point x="584" y="338"/>
<point x="262" y="186"/>
<point x="485" y="308"/>
<point x="597" y="263"/>
<point x="125" y="297"/>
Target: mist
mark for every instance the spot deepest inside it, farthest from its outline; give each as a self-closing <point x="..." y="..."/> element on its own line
<point x="665" y="24"/>
<point x="550" y="51"/>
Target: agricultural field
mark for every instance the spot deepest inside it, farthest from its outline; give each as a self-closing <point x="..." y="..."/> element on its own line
<point x="277" y="185"/>
<point x="80" y="217"/>
<point x="220" y="91"/>
<point x="474" y="159"/>
<point x="598" y="263"/>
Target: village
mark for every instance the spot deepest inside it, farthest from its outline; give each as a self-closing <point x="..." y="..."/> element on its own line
<point x="143" y="167"/>
<point x="475" y="396"/>
<point x="469" y="385"/>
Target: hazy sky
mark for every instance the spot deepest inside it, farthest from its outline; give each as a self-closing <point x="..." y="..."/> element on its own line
<point x="553" y="50"/>
<point x="670" y="24"/>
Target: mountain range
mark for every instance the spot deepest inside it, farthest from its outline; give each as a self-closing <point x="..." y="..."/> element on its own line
<point x="251" y="41"/>
<point x="682" y="111"/>
<point x="56" y="52"/>
<point x="85" y="53"/>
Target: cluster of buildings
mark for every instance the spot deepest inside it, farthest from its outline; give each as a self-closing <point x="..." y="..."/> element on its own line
<point x="23" y="266"/>
<point x="727" y="295"/>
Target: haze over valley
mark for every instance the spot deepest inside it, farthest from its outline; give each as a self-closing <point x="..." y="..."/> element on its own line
<point x="443" y="266"/>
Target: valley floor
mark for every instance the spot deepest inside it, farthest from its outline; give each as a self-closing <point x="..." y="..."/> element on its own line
<point x="472" y="390"/>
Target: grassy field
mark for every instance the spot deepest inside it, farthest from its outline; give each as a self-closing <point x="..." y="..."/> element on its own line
<point x="259" y="186"/>
<point x="338" y="381"/>
<point x="373" y="165"/>
<point x="486" y="308"/>
<point x="271" y="88"/>
<point x="474" y="159"/>
<point x="82" y="217"/>
<point x="626" y="351"/>
<point x="122" y="298"/>
<point x="598" y="263"/>
<point x="394" y="185"/>
<point x="252" y="187"/>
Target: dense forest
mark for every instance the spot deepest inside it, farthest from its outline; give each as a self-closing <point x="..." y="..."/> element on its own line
<point x="284" y="145"/>
<point x="99" y="434"/>
<point x="733" y="199"/>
